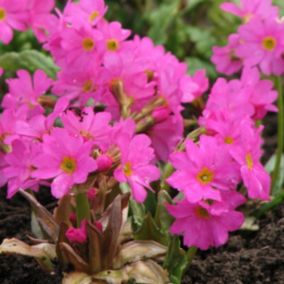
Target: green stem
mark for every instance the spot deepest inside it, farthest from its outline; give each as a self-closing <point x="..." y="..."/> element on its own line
<point x="82" y="207"/>
<point x="191" y="254"/>
<point x="280" y="143"/>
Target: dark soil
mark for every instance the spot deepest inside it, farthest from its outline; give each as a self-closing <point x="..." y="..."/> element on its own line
<point x="15" y="222"/>
<point x="252" y="258"/>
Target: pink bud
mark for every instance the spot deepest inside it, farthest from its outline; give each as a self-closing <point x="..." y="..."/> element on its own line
<point x="104" y="162"/>
<point x="77" y="235"/>
<point x="72" y="217"/>
<point x="161" y="114"/>
<point x="99" y="226"/>
<point x="92" y="192"/>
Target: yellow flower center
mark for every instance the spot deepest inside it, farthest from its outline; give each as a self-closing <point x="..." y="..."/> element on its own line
<point x="127" y="169"/>
<point x="229" y="140"/>
<point x="150" y="75"/>
<point x="88" y="44"/>
<point x="247" y="18"/>
<point x="87" y="135"/>
<point x="68" y="165"/>
<point x="269" y="43"/>
<point x="201" y="212"/>
<point x="2" y="14"/>
<point x="93" y="16"/>
<point x="112" y="45"/>
<point x="249" y="161"/>
<point x="88" y="86"/>
<point x="205" y="176"/>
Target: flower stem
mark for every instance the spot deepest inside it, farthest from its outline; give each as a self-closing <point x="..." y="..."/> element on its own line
<point x="191" y="254"/>
<point x="280" y="142"/>
<point x="82" y="207"/>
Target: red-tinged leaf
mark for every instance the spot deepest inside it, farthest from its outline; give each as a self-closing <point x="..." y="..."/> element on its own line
<point x="44" y="217"/>
<point x="76" y="260"/>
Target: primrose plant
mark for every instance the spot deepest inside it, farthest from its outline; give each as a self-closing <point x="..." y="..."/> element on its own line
<point x="111" y="137"/>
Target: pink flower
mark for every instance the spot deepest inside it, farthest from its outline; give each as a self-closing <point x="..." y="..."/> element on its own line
<point x="203" y="170"/>
<point x="254" y="176"/>
<point x="19" y="167"/>
<point x="227" y="99"/>
<point x="206" y="224"/>
<point x="8" y="122"/>
<point x="194" y="86"/>
<point x="251" y="8"/>
<point x="77" y="235"/>
<point x="80" y="47"/>
<point x="136" y="166"/>
<point x="225" y="58"/>
<point x="40" y="19"/>
<point x="94" y="127"/>
<point x="86" y="11"/>
<point x="81" y="85"/>
<point x="263" y="45"/>
<point x="260" y="92"/>
<point x="25" y="92"/>
<point x="1" y="71"/>
<point x="66" y="159"/>
<point x="13" y="15"/>
<point x="165" y="135"/>
<point x="113" y="36"/>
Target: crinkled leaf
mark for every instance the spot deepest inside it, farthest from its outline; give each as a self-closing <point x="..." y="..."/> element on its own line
<point x="44" y="253"/>
<point x="139" y="250"/>
<point x="77" y="278"/>
<point x="146" y="272"/>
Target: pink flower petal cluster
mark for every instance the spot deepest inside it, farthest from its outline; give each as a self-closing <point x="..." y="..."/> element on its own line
<point x="23" y="14"/>
<point x="65" y="159"/>
<point x="259" y="41"/>
<point x="207" y="224"/>
<point x="136" y="168"/>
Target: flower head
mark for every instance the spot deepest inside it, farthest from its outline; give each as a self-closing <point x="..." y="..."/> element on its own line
<point x="66" y="159"/>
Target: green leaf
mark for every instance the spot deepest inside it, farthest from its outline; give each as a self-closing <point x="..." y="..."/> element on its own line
<point x="162" y="217"/>
<point x="150" y="231"/>
<point x="31" y="60"/>
<point x="161" y="19"/>
<point x="270" y="168"/>
<point x="176" y="261"/>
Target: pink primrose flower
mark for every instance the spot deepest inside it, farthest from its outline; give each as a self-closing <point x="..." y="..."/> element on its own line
<point x="248" y="9"/>
<point x="225" y="59"/>
<point x="203" y="170"/>
<point x="13" y="15"/>
<point x="25" y="92"/>
<point x="206" y="224"/>
<point x="65" y="159"/>
<point x="136" y="166"/>
<point x="20" y="166"/>
<point x="262" y="44"/>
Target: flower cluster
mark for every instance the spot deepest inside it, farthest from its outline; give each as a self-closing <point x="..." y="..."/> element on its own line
<point x="115" y="112"/>
<point x="258" y="42"/>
